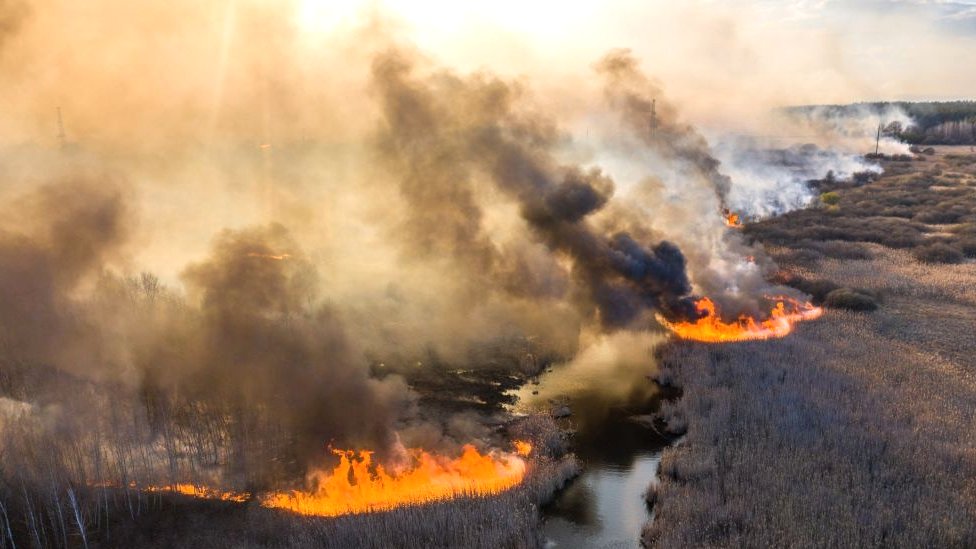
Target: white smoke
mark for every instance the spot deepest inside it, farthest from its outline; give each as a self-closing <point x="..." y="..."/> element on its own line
<point x="769" y="181"/>
<point x="852" y="127"/>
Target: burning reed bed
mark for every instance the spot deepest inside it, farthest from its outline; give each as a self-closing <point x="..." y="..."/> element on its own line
<point x="839" y="436"/>
<point x="855" y="431"/>
<point x="112" y="486"/>
<point x="509" y="519"/>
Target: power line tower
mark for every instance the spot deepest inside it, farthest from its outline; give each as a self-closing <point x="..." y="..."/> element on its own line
<point x="62" y="138"/>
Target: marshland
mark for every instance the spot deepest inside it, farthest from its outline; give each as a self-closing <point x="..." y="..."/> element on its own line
<point x="305" y="273"/>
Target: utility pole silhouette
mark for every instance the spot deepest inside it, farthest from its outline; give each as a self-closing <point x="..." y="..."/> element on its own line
<point x="62" y="138"/>
<point x="877" y="140"/>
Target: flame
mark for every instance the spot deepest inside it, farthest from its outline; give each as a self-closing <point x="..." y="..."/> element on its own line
<point x="732" y="219"/>
<point x="358" y="485"/>
<point x="711" y="328"/>
<point x="199" y="491"/>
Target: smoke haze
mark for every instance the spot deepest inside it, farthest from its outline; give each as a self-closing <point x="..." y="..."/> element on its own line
<point x="253" y="204"/>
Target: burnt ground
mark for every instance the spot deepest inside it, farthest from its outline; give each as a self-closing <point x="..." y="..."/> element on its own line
<point x="857" y="430"/>
<point x="483" y="383"/>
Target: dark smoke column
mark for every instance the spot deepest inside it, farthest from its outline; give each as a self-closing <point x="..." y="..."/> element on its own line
<point x="461" y="130"/>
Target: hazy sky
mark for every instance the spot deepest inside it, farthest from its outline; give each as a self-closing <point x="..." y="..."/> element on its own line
<point x="805" y="50"/>
<point x="188" y="62"/>
<point x="720" y="57"/>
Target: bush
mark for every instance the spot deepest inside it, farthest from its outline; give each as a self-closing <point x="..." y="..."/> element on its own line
<point x="937" y="216"/>
<point x="968" y="229"/>
<point x="938" y="253"/>
<point x="967" y="245"/>
<point x="851" y="299"/>
<point x="800" y="256"/>
<point x="863" y="178"/>
<point x="845" y="250"/>
<point x="830" y="198"/>
<point x="818" y="289"/>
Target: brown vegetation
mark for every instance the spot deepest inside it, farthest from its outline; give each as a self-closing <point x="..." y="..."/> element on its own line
<point x="856" y="430"/>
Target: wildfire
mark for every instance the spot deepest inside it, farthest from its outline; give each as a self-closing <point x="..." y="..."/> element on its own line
<point x="358" y="485"/>
<point x="732" y="219"/>
<point x="523" y="448"/>
<point x="198" y="491"/>
<point x="711" y="328"/>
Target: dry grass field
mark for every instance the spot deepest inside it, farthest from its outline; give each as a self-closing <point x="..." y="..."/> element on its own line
<point x="858" y="429"/>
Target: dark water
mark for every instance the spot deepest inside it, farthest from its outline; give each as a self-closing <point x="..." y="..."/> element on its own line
<point x="604" y="507"/>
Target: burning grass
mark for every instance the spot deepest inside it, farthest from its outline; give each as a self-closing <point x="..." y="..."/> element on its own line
<point x="856" y="432"/>
<point x="732" y="219"/>
<point x="711" y="328"/>
<point x="853" y="433"/>
<point x="358" y="485"/>
<point x="474" y="500"/>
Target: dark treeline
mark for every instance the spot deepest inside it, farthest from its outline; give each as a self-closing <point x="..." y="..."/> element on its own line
<point x="933" y="122"/>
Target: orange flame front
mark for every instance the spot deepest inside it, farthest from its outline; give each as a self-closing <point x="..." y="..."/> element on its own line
<point x="711" y="328"/>
<point x="358" y="485"/>
<point x="199" y="491"/>
<point x="732" y="219"/>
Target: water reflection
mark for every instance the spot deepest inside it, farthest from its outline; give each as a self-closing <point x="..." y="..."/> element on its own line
<point x="603" y="508"/>
<point x="605" y="387"/>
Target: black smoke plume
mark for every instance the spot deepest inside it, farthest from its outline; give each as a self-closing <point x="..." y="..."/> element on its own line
<point x="446" y="135"/>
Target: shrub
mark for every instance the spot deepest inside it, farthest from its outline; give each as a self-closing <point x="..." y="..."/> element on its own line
<point x="830" y="198"/>
<point x="800" y="256"/>
<point x="937" y="216"/>
<point x="968" y="229"/>
<point x="845" y="250"/>
<point x="967" y="246"/>
<point x="818" y="289"/>
<point x="863" y="178"/>
<point x="938" y="253"/>
<point x="851" y="299"/>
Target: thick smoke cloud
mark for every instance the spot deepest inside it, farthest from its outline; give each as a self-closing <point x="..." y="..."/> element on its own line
<point x="655" y="121"/>
<point x="372" y="211"/>
<point x="459" y="130"/>
<point x="265" y="342"/>
<point x="53" y="240"/>
<point x="251" y="344"/>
